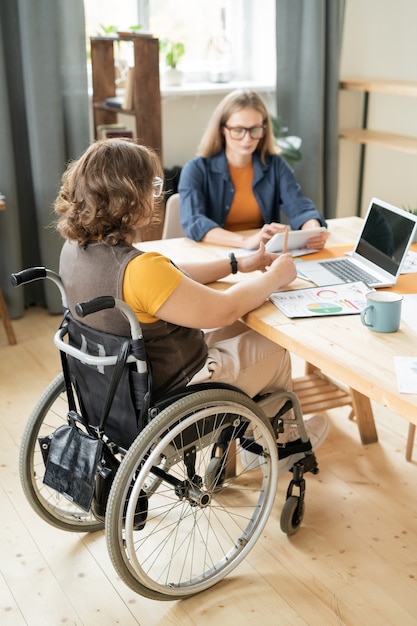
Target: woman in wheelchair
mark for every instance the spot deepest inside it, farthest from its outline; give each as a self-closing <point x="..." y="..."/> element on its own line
<point x="169" y="438"/>
<point x="107" y="196"/>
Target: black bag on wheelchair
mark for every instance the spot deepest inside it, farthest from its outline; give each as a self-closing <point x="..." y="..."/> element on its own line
<point x="71" y="458"/>
<point x="113" y="401"/>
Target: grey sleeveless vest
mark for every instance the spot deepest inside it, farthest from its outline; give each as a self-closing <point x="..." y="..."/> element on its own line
<point x="176" y="353"/>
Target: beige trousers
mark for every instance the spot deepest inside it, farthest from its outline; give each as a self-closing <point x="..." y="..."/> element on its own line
<point x="244" y="358"/>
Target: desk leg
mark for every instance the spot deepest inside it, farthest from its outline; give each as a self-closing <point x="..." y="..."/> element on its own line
<point x="361" y="408"/>
<point x="410" y="441"/>
<point x="365" y="418"/>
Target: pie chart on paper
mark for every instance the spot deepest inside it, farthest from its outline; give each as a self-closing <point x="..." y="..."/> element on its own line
<point x="325" y="308"/>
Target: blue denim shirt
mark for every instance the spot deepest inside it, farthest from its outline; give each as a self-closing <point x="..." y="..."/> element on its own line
<point x="206" y="194"/>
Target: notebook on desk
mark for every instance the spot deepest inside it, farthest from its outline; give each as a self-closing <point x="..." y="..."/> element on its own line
<point x="379" y="252"/>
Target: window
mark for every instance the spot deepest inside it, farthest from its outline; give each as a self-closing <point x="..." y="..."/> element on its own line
<point x="224" y="39"/>
<point x="108" y="14"/>
<point x="212" y="37"/>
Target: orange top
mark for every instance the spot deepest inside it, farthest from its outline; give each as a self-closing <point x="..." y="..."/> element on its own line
<point x="244" y="212"/>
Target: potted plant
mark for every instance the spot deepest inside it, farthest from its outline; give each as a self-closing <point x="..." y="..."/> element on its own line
<point x="289" y="145"/>
<point x="173" y="51"/>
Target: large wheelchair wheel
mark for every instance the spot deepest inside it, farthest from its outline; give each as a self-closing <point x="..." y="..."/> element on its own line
<point x="49" y="413"/>
<point x="183" y="509"/>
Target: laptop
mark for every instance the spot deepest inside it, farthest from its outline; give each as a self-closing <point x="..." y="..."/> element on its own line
<point x="378" y="254"/>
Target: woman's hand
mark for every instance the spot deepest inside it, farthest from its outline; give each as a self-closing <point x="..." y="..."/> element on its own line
<point x="259" y="260"/>
<point x="209" y="308"/>
<point x="280" y="265"/>
<point x="284" y="270"/>
<point x="263" y="235"/>
<point x="318" y="241"/>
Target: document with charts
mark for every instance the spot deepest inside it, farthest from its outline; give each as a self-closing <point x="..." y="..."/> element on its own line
<point x="344" y="299"/>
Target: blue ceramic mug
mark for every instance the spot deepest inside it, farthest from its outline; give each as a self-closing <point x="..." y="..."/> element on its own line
<point x="383" y="312"/>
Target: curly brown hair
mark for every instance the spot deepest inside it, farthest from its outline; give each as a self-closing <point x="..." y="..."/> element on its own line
<point x="106" y="194"/>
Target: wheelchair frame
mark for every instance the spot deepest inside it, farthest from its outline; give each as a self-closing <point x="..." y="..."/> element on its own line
<point x="171" y="530"/>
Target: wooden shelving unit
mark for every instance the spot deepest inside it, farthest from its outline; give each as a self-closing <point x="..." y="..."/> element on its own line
<point x="364" y="135"/>
<point x="382" y="139"/>
<point x="146" y="95"/>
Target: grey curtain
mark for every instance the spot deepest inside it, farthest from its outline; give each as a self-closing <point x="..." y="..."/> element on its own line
<point x="44" y="122"/>
<point x="309" y="37"/>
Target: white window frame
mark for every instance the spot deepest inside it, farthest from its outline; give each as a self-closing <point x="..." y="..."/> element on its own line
<point x="250" y="27"/>
<point x="258" y="68"/>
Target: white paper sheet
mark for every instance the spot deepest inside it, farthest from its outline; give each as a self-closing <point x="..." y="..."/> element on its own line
<point x="344" y="299"/>
<point x="406" y="372"/>
<point x="409" y="310"/>
<point x="410" y="263"/>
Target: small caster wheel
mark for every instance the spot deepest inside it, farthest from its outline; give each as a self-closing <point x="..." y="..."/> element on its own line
<point x="292" y="515"/>
<point x="214" y="475"/>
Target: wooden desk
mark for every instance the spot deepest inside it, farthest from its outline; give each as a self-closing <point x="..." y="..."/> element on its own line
<point x="337" y="346"/>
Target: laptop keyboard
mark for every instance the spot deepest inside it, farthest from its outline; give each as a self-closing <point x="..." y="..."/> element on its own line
<point x="348" y="272"/>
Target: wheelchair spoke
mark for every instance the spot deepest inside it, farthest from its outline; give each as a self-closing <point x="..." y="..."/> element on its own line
<point x="202" y="518"/>
<point x="50" y="413"/>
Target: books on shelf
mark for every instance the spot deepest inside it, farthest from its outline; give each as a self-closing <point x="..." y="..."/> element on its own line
<point x="106" y="131"/>
<point x="114" y="101"/>
<point x="128" y="95"/>
<point x="124" y="101"/>
<point x="119" y="133"/>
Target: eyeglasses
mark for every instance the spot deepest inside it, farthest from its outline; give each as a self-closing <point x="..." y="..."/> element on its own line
<point x="238" y="132"/>
<point x="157" y="185"/>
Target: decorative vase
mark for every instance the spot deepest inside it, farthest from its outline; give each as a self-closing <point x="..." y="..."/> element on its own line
<point x="173" y="77"/>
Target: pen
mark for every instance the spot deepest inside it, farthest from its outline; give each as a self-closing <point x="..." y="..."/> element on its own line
<point x="285" y="244"/>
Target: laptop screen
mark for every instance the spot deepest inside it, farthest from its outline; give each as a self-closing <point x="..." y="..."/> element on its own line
<point x="385" y="237"/>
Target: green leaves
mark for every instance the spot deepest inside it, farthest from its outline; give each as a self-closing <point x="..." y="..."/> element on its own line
<point x="289" y="145"/>
<point x="112" y="30"/>
<point x="173" y="51"/>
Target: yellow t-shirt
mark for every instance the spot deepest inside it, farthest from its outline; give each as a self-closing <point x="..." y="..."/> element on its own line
<point x="149" y="280"/>
<point x="244" y="212"/>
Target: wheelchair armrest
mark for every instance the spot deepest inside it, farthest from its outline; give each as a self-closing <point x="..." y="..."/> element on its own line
<point x="84" y="357"/>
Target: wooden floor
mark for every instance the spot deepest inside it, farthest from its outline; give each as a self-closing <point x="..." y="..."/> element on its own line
<point x="353" y="561"/>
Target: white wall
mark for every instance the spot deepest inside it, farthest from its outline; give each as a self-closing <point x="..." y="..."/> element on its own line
<point x="380" y="40"/>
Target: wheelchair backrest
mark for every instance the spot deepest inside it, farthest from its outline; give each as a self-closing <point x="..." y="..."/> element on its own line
<point x="93" y="383"/>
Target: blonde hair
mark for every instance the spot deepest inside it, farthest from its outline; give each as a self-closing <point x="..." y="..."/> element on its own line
<point x="213" y="138"/>
<point x="107" y="193"/>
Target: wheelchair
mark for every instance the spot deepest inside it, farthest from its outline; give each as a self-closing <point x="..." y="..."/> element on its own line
<point x="186" y="481"/>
